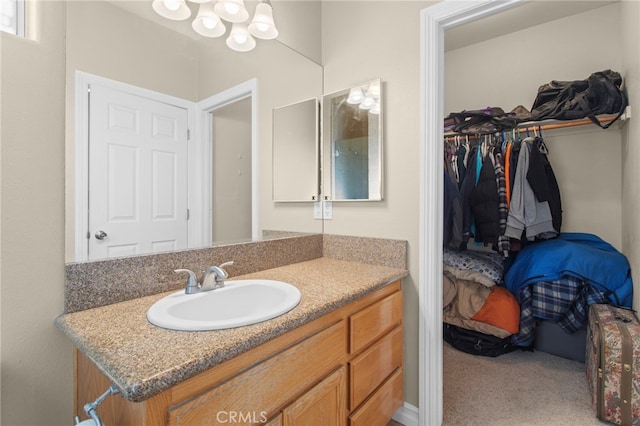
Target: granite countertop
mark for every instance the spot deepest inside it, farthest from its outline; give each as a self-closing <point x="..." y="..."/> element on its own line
<point x="143" y="360"/>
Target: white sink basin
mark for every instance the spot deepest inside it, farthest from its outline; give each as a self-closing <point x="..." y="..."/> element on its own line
<point x="238" y="303"/>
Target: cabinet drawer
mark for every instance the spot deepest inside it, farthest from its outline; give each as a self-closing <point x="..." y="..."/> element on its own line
<point x="323" y="405"/>
<point x="369" y="369"/>
<point x="259" y="391"/>
<point x="375" y="320"/>
<point x="378" y="410"/>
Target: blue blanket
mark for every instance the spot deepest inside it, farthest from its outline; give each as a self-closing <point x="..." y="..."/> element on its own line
<point x="578" y="255"/>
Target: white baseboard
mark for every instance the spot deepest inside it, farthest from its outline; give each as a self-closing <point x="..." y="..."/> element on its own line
<point x="407" y="415"/>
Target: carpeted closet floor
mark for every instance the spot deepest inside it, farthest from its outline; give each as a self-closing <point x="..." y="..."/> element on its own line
<point x="519" y="388"/>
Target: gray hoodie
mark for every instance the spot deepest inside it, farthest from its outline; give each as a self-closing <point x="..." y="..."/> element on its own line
<point x="526" y="213"/>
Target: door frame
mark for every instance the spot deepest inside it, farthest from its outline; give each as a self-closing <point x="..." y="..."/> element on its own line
<point x="203" y="206"/>
<point x="434" y="21"/>
<point x="83" y="81"/>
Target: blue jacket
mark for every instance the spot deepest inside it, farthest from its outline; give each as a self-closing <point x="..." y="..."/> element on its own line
<point x="579" y="255"/>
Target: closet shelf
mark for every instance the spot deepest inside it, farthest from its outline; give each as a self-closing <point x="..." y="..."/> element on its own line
<point x="553" y="124"/>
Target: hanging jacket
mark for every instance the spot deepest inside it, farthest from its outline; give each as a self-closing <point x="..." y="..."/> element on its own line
<point x="526" y="213"/>
<point x="503" y="244"/>
<point x="453" y="220"/>
<point x="543" y="181"/>
<point x="484" y="203"/>
<point x="466" y="187"/>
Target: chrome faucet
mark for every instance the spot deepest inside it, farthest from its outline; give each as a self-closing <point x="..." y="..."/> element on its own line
<point x="213" y="278"/>
<point x="192" y="282"/>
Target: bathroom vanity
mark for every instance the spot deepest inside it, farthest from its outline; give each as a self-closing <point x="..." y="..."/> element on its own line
<point x="335" y="359"/>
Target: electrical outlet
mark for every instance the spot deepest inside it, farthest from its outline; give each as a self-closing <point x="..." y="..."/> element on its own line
<point x="317" y="210"/>
<point x="327" y="210"/>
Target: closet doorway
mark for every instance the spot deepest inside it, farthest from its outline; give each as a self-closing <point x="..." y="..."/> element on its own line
<point x="437" y="20"/>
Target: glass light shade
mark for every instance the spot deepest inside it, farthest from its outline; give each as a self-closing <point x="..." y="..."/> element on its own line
<point x="240" y="39"/>
<point x="355" y="96"/>
<point x="232" y="10"/>
<point x="200" y="1"/>
<point x="262" y="25"/>
<point x="176" y="10"/>
<point x="375" y="109"/>
<point x="367" y="103"/>
<point x="374" y="90"/>
<point x="207" y="23"/>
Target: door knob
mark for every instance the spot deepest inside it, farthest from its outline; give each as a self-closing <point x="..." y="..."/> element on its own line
<point x="100" y="235"/>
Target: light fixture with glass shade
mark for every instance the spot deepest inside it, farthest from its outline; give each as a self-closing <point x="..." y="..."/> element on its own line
<point x="366" y="97"/>
<point x="207" y="23"/>
<point x="375" y="109"/>
<point x="356" y="95"/>
<point x="232" y="10"/>
<point x="211" y="14"/>
<point x="262" y="25"/>
<point x="240" y="38"/>
<point x="367" y="103"/>
<point x="176" y="10"/>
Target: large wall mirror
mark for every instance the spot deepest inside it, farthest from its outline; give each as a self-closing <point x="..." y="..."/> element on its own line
<point x="296" y="153"/>
<point x="127" y="43"/>
<point x="352" y="143"/>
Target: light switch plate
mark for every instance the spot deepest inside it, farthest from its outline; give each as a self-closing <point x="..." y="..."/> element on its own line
<point x="327" y="210"/>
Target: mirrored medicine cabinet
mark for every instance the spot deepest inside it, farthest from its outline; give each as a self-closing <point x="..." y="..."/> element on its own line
<point x="296" y="154"/>
<point x="350" y="168"/>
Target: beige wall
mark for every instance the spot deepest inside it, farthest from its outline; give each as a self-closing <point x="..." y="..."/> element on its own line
<point x="36" y="358"/>
<point x="586" y="160"/>
<point x="231" y="160"/>
<point x="299" y="26"/>
<point x="360" y="43"/>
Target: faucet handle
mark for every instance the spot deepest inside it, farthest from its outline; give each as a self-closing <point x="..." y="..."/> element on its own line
<point x="192" y="281"/>
<point x="225" y="264"/>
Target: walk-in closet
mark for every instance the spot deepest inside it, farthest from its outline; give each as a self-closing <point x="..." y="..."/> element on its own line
<point x="591" y="168"/>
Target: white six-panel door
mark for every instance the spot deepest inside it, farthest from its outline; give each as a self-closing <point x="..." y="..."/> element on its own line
<point x="137" y="174"/>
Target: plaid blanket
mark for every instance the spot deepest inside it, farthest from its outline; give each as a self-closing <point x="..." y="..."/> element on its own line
<point x="565" y="301"/>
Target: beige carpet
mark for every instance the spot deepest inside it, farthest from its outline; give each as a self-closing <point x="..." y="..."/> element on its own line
<point x="520" y="388"/>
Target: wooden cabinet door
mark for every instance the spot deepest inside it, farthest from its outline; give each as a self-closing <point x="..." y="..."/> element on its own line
<point x="322" y="405"/>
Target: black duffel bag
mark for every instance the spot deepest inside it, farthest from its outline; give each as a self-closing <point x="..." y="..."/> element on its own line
<point x="601" y="93"/>
<point x="482" y="121"/>
<point x="476" y="343"/>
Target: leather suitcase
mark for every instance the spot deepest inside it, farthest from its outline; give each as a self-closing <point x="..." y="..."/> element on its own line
<point x="612" y="358"/>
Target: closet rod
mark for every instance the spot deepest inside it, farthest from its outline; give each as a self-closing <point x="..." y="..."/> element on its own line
<point x="549" y="124"/>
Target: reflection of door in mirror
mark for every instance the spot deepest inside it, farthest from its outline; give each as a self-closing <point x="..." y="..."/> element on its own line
<point x="137" y="167"/>
<point x="231" y="172"/>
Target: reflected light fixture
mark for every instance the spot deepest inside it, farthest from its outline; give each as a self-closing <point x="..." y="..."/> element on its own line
<point x="355" y="96"/>
<point x="207" y="23"/>
<point x="211" y="14"/>
<point x="367" y="103"/>
<point x="232" y="10"/>
<point x="240" y="39"/>
<point x="367" y="99"/>
<point x="176" y="10"/>
<point x="262" y="25"/>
